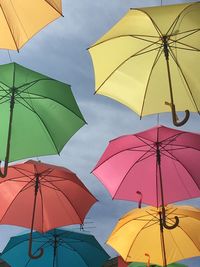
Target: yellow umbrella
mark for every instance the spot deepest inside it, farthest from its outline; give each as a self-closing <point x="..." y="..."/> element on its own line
<point x="138" y="233"/>
<point x="149" y="60"/>
<point x="21" y="19"/>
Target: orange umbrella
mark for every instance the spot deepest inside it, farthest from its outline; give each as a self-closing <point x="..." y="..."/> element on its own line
<point x="21" y="19"/>
<point x="140" y="232"/>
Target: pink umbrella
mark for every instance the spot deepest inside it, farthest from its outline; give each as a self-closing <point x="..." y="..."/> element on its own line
<point x="160" y="166"/>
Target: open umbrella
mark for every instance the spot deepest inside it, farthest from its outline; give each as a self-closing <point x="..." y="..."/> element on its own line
<point x="21" y="19"/>
<point x="38" y="114"/>
<point x="62" y="248"/>
<point x="140" y="232"/>
<point x="149" y="60"/>
<point x="157" y="166"/>
<point x="137" y="264"/>
<point x="42" y="196"/>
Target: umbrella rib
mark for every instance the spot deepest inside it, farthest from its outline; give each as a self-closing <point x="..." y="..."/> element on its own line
<point x="196" y="245"/>
<point x="54" y="8"/>
<point x="58" y="189"/>
<point x="175" y="158"/>
<point x="183" y="37"/>
<point x="179" y="15"/>
<point x="113" y="155"/>
<point x="136" y="162"/>
<point x="143" y="227"/>
<point x="180" y="147"/>
<point x="43" y="97"/>
<point x="151" y="19"/>
<point x="10" y="204"/>
<point x="127" y="35"/>
<point x="48" y="98"/>
<point x="187" y="48"/>
<point x="43" y="123"/>
<point x="192" y="31"/>
<point x="75" y="250"/>
<point x="13" y="38"/>
<point x="4" y="90"/>
<point x="16" y="244"/>
<point x="182" y="73"/>
<point x="150" y="73"/>
<point x="173" y="25"/>
<point x="142" y="140"/>
<point x="22" y="171"/>
<point x="140" y="52"/>
<point x="174" y="241"/>
<point x="32" y="83"/>
<point x="168" y="141"/>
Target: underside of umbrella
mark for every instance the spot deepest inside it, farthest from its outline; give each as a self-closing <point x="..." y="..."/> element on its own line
<point x="148" y="60"/>
<point x="20" y="20"/>
<point x="38" y="114"/>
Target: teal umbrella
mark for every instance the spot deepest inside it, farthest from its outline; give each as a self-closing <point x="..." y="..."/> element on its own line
<point x="61" y="248"/>
<point x="38" y="114"/>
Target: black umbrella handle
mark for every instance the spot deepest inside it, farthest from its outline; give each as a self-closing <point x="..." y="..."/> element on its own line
<point x="32" y="256"/>
<point x="164" y="223"/>
<point x="140" y="200"/>
<point x="41" y="251"/>
<point x="12" y="103"/>
<point x="175" y="118"/>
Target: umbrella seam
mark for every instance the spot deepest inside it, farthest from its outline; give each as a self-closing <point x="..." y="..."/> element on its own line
<point x="125" y="61"/>
<point x="187" y="88"/>
<point x="149" y="77"/>
<point x="13" y="38"/>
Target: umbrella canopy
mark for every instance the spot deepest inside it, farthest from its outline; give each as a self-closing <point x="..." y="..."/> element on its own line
<point x="38" y="114"/>
<point x="61" y="248"/>
<point x="139" y="233"/>
<point x="130" y="164"/>
<point x="59" y="202"/>
<point x="149" y="60"/>
<point x="21" y="19"/>
<point x="138" y="264"/>
<point x="41" y="196"/>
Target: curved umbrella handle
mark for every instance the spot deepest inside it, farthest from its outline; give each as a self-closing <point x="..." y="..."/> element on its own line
<point x="148" y="262"/>
<point x="164" y="223"/>
<point x="41" y="250"/>
<point x="175" y="117"/>
<point x="140" y="200"/>
<point x="4" y="173"/>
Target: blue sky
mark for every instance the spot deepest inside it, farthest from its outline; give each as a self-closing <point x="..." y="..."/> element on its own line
<point x="60" y="51"/>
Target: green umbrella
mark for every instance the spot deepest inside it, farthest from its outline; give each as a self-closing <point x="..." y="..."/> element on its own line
<point x="138" y="264"/>
<point x="38" y="114"/>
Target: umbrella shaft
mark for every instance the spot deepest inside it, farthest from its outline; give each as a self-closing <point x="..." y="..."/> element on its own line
<point x="165" y="46"/>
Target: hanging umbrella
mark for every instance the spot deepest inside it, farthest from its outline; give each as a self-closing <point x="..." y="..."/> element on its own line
<point x="20" y="20"/>
<point x="62" y="248"/>
<point x="140" y="232"/>
<point x="137" y="264"/>
<point x="140" y="264"/>
<point x="41" y="196"/>
<point x="156" y="167"/>
<point x="149" y="60"/>
<point x="38" y="114"/>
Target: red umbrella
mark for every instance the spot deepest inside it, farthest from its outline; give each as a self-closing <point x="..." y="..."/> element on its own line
<point x="41" y="196"/>
<point x="159" y="165"/>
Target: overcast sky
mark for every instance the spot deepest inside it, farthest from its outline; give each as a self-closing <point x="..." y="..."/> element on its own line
<point x="60" y="51"/>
